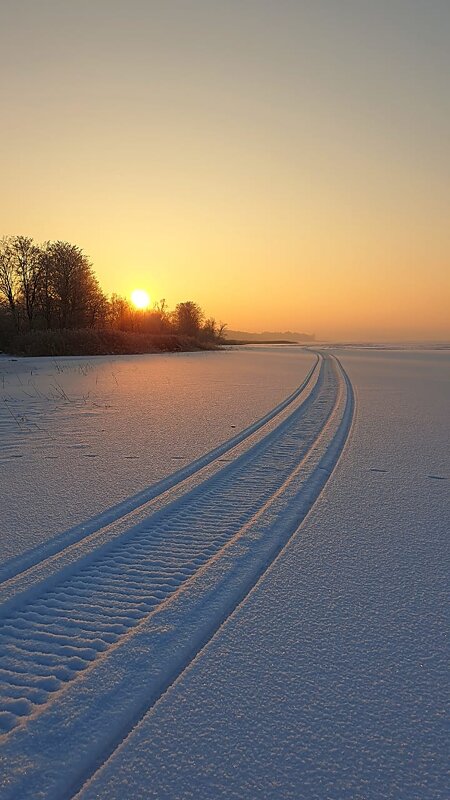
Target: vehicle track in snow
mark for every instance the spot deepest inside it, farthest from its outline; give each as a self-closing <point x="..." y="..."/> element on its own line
<point x="125" y="513"/>
<point x="145" y="596"/>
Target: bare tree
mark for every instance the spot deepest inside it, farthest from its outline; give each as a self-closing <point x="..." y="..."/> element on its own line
<point x="26" y="257"/>
<point x="54" y="286"/>
<point x="188" y="318"/>
<point x="221" y="331"/>
<point x="9" y="284"/>
<point x="119" y="313"/>
<point x="72" y="296"/>
<point x="161" y="306"/>
<point x="213" y="331"/>
<point x="160" y="317"/>
<point x="209" y="329"/>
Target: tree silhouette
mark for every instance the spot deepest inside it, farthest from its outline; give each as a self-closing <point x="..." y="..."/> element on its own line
<point x="188" y="318"/>
<point x="28" y="267"/>
<point x="9" y="285"/>
<point x="54" y="287"/>
<point x="71" y="296"/>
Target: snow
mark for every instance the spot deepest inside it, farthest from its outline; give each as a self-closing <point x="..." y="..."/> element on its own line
<point x="330" y="679"/>
<point x="96" y="629"/>
<point x="78" y="435"/>
<point x="327" y="678"/>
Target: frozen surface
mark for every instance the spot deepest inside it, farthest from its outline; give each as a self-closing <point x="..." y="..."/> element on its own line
<point x="329" y="680"/>
<point x="79" y="435"/>
<point x="326" y="679"/>
<point x="93" y="633"/>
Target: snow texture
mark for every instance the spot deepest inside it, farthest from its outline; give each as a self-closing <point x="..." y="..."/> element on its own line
<point x="78" y="435"/>
<point x="266" y="651"/>
<point x="330" y="680"/>
<point x="80" y="626"/>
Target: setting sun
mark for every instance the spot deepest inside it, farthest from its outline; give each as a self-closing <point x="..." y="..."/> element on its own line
<point x="140" y="298"/>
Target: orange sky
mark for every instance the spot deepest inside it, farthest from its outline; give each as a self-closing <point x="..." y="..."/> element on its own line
<point x="285" y="164"/>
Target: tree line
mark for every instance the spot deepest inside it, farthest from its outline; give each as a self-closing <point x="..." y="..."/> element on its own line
<point x="53" y="287"/>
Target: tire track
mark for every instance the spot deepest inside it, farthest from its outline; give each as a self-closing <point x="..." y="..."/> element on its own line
<point x="120" y="520"/>
<point x="127" y="509"/>
<point x="161" y="590"/>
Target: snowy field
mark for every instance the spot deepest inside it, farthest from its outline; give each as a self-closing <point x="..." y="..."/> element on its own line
<point x="268" y="623"/>
<point x="79" y="435"/>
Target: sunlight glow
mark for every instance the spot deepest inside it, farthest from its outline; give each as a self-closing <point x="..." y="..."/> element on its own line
<point x="140" y="298"/>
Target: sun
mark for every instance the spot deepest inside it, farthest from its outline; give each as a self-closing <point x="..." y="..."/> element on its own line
<point x="140" y="298"/>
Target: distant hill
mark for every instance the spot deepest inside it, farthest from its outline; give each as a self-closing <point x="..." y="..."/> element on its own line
<point x="269" y="336"/>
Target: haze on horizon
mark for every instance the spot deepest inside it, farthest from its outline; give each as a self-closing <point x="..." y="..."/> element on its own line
<point x="283" y="163"/>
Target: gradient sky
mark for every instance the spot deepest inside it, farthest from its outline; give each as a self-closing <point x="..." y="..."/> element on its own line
<point x="284" y="163"/>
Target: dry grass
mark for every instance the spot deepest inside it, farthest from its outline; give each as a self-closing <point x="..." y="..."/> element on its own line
<point x="91" y="342"/>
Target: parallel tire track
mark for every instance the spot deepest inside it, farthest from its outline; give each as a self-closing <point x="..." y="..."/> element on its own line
<point x="21" y="563"/>
<point x="148" y="592"/>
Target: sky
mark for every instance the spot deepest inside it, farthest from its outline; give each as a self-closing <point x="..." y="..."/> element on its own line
<point x="284" y="163"/>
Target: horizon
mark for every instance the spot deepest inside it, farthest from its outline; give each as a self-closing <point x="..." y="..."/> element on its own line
<point x="286" y="166"/>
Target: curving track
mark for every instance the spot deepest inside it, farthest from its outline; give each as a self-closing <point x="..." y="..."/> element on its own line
<point x="92" y="635"/>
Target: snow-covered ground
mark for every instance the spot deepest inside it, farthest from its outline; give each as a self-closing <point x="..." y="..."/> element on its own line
<point x="326" y="679"/>
<point x="330" y="680"/>
<point x="78" y="435"/>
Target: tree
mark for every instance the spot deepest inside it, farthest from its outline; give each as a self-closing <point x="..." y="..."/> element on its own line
<point x="209" y="329"/>
<point x="20" y="275"/>
<point x="213" y="331"/>
<point x="221" y="331"/>
<point x="188" y="318"/>
<point x="71" y="293"/>
<point x="9" y="285"/>
<point x="159" y="318"/>
<point x="120" y="313"/>
<point x="27" y="264"/>
<point x="54" y="286"/>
